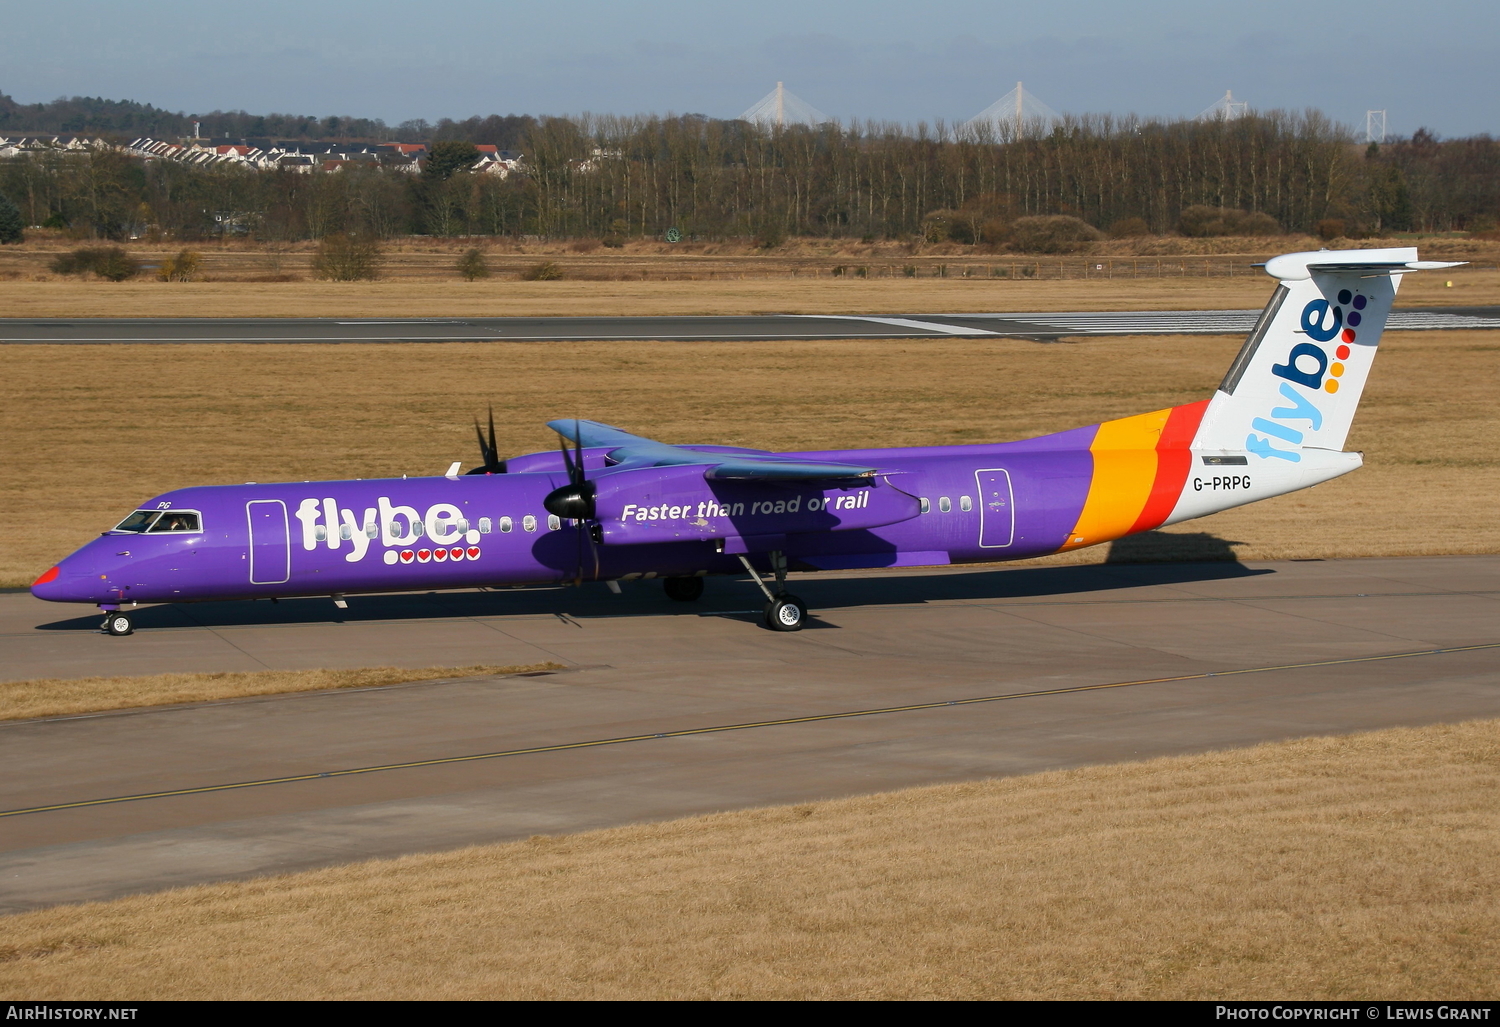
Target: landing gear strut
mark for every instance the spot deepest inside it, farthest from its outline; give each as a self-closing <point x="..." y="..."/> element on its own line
<point x="117" y="622"/>
<point x="784" y="611"/>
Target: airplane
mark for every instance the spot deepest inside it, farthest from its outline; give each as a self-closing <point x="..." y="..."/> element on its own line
<point x="612" y="506"/>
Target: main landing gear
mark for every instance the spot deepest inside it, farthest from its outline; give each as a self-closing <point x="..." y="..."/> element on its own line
<point x="117" y="622"/>
<point x="784" y="611"/>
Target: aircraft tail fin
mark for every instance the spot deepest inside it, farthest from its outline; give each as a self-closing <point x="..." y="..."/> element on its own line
<point x="1297" y="381"/>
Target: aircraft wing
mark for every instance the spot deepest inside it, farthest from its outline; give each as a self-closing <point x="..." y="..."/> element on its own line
<point x="630" y="451"/>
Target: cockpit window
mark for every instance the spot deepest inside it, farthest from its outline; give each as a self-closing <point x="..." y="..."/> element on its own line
<point x="176" y="520"/>
<point x="138" y="521"/>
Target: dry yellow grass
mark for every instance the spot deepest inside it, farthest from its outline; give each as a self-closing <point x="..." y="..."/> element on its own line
<point x="93" y="430"/>
<point x="420" y="280"/>
<point x="614" y="298"/>
<point x="1360" y="866"/>
<point x="752" y="295"/>
<point x="56" y="697"/>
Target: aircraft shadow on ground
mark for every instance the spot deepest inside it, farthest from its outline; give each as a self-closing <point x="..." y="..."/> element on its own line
<point x="1151" y="558"/>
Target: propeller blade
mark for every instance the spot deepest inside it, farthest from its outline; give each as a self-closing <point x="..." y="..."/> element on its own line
<point x="578" y="449"/>
<point x="580" y="529"/>
<point x="488" y="450"/>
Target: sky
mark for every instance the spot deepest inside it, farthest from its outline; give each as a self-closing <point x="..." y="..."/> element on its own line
<point x="1427" y="63"/>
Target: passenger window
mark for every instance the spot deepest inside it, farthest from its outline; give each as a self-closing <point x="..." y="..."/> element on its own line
<point x="463" y="526"/>
<point x="926" y="506"/>
<point x="506" y="524"/>
<point x="528" y="522"/>
<point x="372" y="530"/>
<point x="945" y="504"/>
<point x="553" y="522"/>
<point x="177" y="520"/>
<point x="484" y="525"/>
<point x="320" y="533"/>
<point x="138" y="521"/>
<point x="965" y="503"/>
<point x="346" y="532"/>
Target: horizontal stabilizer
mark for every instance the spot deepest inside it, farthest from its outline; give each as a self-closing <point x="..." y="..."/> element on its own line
<point x="1298" y="267"/>
<point x="1335" y="268"/>
<point x="630" y="451"/>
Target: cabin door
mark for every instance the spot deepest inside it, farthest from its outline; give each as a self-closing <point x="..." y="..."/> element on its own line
<point x="997" y="508"/>
<point x="270" y="542"/>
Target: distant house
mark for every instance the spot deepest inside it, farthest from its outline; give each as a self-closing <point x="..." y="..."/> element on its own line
<point x="596" y="160"/>
<point x="301" y="163"/>
<point x="495" y="161"/>
<point x="16" y="146"/>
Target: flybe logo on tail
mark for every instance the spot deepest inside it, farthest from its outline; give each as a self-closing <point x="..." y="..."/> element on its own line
<point x="1309" y="366"/>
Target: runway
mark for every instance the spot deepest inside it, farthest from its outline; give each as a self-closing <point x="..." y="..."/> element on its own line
<point x="903" y="678"/>
<point x="1041" y="326"/>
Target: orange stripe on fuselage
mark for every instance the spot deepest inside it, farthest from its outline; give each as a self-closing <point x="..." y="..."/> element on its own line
<point x="1173" y="462"/>
<point x="1140" y="464"/>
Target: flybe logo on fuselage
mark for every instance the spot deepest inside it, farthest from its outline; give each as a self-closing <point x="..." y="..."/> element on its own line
<point x="324" y="523"/>
<point x="1309" y="366"/>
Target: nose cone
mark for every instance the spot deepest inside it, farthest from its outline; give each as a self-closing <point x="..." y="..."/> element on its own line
<point x="45" y="587"/>
<point x="80" y="578"/>
<point x="59" y="586"/>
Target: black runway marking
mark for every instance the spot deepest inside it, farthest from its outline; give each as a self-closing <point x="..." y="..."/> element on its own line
<point x="744" y="726"/>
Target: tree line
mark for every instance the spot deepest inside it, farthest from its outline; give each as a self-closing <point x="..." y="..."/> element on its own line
<point x="127" y="119"/>
<point x="628" y="177"/>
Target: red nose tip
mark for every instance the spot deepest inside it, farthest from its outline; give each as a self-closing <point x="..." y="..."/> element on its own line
<point x="49" y="576"/>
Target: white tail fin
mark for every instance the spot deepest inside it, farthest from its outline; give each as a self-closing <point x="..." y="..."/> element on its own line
<point x="1297" y="381"/>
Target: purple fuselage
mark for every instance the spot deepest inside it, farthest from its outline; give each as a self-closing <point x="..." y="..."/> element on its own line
<point x="928" y="506"/>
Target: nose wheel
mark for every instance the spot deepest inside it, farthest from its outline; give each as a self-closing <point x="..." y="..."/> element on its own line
<point x="784" y="611"/>
<point x="117" y="622"/>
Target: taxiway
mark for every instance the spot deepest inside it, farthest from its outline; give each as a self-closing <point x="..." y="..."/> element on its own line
<point x="1041" y="326"/>
<point x="719" y="713"/>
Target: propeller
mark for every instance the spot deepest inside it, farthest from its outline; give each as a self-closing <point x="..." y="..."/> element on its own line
<point x="488" y="451"/>
<point x="575" y="500"/>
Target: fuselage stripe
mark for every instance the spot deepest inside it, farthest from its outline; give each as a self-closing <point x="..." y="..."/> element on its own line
<point x="1124" y="455"/>
<point x="1174" y="459"/>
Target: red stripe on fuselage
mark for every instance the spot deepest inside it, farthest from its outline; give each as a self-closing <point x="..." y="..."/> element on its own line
<point x="1173" y="461"/>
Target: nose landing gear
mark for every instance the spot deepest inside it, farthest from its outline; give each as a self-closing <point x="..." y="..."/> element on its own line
<point x="117" y="622"/>
<point x="784" y="611"/>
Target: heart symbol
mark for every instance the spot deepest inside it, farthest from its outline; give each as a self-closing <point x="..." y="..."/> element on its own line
<point x="424" y="555"/>
<point x="407" y="556"/>
<point x="473" y="552"/>
<point x="440" y="555"/>
<point x="457" y="553"/>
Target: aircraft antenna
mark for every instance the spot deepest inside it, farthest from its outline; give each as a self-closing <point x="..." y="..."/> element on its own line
<point x="1375" y="126"/>
<point x="781" y="107"/>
